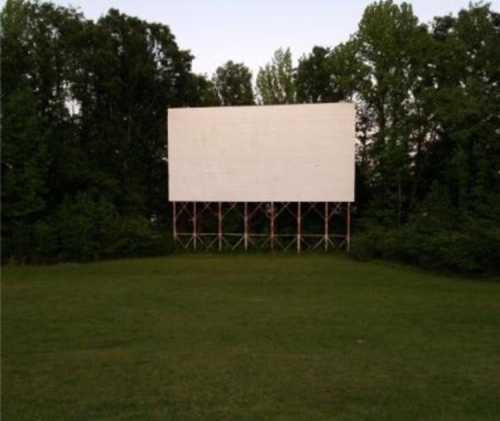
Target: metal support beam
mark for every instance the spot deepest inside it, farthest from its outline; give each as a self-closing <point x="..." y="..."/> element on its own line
<point x="174" y="224"/>
<point x="348" y="237"/>
<point x="190" y="221"/>
<point x="245" y="228"/>
<point x="299" y="228"/>
<point x="327" y="220"/>
<point x="272" y="227"/>
<point x="219" y="230"/>
<point x="194" y="225"/>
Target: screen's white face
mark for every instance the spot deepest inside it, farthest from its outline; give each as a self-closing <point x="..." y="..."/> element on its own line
<point x="272" y="153"/>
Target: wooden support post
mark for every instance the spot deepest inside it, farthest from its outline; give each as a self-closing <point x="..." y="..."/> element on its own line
<point x="272" y="227"/>
<point x="220" y="226"/>
<point x="299" y="227"/>
<point x="327" y="220"/>
<point x="348" y="239"/>
<point x="194" y="225"/>
<point x="245" y="227"/>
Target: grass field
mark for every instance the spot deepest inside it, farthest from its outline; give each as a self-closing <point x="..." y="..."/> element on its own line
<point x="247" y="338"/>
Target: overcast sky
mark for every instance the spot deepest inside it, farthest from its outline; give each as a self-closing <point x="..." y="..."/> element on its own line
<point x="250" y="30"/>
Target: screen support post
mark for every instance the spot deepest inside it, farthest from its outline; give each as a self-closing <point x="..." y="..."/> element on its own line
<point x="190" y="221"/>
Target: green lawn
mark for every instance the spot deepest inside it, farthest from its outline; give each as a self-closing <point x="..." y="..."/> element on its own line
<point x="247" y="338"/>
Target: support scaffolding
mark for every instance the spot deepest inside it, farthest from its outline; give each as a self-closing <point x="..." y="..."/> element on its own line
<point x="272" y="226"/>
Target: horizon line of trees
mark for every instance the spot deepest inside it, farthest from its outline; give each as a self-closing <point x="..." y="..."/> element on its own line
<point x="84" y="130"/>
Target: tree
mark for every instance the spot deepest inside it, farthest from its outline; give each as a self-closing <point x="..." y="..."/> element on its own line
<point x="202" y="92"/>
<point x="132" y="71"/>
<point x="314" y="77"/>
<point x="429" y="105"/>
<point x="465" y="103"/>
<point x="275" y="82"/>
<point x="392" y="52"/>
<point x="84" y="108"/>
<point x="233" y="84"/>
<point x="326" y="75"/>
<point x="32" y="123"/>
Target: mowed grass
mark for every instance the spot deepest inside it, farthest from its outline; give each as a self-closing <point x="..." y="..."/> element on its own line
<point x="247" y="338"/>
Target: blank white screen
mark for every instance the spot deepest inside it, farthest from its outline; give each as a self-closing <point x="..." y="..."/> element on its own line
<point x="279" y="153"/>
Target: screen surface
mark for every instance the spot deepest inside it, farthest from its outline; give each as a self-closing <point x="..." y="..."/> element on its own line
<point x="279" y="153"/>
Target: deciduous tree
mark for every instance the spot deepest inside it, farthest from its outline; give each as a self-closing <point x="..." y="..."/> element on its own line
<point x="233" y="84"/>
<point x="276" y="80"/>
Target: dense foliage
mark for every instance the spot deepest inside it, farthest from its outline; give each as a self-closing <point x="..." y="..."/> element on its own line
<point x="233" y="84"/>
<point x="276" y="81"/>
<point x="83" y="139"/>
<point x="429" y="158"/>
<point x="84" y="130"/>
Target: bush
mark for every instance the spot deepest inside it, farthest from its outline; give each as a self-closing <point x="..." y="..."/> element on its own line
<point x="17" y="242"/>
<point x="46" y="241"/>
<point x="85" y="228"/>
<point x="364" y="245"/>
<point x="475" y="248"/>
<point x="135" y="236"/>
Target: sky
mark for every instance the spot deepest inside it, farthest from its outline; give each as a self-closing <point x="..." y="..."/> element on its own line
<point x="249" y="31"/>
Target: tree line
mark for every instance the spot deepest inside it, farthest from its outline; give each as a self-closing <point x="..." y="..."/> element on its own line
<point x="84" y="130"/>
